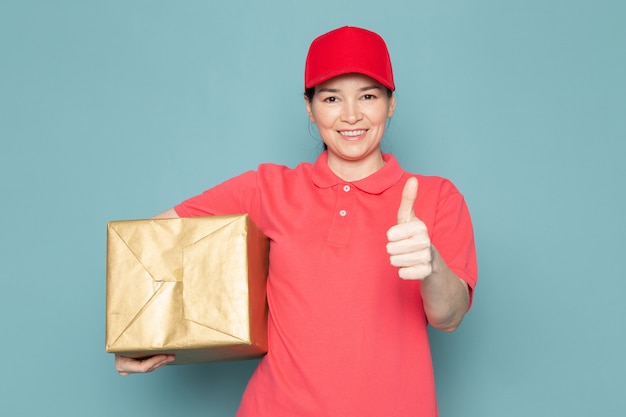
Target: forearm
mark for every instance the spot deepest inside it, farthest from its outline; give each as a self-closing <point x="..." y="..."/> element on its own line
<point x="126" y="365"/>
<point x="167" y="214"/>
<point x="445" y="296"/>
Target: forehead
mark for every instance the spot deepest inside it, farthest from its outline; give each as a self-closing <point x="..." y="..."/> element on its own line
<point x="349" y="81"/>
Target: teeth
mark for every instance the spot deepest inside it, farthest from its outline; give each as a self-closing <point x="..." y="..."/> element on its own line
<point x="352" y="133"/>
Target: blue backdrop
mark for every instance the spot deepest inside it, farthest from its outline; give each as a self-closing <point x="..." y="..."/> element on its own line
<point x="120" y="109"/>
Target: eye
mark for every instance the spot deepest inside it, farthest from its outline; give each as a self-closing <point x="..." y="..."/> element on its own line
<point x="369" y="97"/>
<point x="330" y="99"/>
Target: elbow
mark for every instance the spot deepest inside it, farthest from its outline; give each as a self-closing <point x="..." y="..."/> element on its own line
<point x="448" y="328"/>
<point x="447" y="325"/>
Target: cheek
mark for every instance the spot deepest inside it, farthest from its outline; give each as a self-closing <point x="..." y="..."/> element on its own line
<point x="384" y="117"/>
<point x="323" y="120"/>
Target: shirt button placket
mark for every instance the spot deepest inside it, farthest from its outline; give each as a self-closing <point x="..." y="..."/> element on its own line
<point x="340" y="229"/>
<point x="343" y="212"/>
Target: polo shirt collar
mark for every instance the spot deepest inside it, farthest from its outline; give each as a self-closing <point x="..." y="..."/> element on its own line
<point x="376" y="183"/>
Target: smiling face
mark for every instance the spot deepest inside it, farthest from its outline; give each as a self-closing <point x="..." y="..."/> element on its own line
<point x="351" y="113"/>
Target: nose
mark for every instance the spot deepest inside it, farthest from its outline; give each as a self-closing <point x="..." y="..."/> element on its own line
<point x="351" y="112"/>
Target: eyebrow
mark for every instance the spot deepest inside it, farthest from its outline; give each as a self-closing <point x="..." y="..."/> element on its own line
<point x="336" y="90"/>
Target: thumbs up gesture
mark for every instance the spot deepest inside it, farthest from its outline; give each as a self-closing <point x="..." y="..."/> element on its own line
<point x="409" y="245"/>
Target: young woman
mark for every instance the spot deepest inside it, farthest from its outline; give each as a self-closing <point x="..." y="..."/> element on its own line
<point x="363" y="255"/>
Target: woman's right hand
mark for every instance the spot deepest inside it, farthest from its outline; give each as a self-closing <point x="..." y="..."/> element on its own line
<point x="126" y="366"/>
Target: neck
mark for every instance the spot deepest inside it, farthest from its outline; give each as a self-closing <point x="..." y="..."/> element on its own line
<point x="355" y="170"/>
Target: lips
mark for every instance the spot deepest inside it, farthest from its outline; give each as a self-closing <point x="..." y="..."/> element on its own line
<point x="352" y="133"/>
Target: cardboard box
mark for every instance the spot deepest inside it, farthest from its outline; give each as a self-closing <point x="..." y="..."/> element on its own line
<point x="194" y="287"/>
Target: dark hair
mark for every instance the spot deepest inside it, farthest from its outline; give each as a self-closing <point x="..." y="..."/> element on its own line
<point x="309" y="93"/>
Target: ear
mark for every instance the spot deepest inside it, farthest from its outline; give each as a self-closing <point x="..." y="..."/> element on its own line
<point x="309" y="109"/>
<point x="392" y="105"/>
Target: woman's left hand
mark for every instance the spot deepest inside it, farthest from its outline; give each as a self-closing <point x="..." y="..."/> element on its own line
<point x="409" y="245"/>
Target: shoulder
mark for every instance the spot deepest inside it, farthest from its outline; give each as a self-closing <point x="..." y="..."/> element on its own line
<point x="434" y="185"/>
<point x="272" y="167"/>
<point x="270" y="171"/>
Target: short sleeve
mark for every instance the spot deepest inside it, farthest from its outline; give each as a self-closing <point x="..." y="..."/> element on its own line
<point x="453" y="235"/>
<point x="238" y="195"/>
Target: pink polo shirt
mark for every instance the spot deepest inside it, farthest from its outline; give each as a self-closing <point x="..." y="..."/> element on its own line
<point x="347" y="336"/>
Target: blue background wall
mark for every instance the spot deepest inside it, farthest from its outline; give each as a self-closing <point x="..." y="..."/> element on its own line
<point x="119" y="109"/>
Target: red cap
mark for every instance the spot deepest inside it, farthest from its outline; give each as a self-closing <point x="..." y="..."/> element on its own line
<point x="345" y="50"/>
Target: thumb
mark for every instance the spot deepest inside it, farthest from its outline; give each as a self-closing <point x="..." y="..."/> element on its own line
<point x="409" y="194"/>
